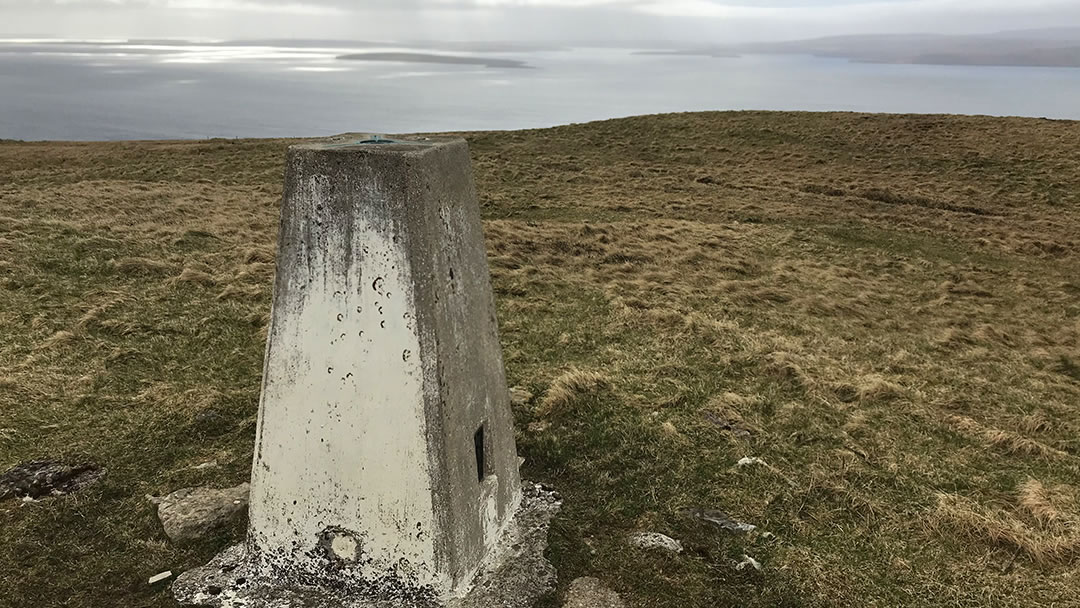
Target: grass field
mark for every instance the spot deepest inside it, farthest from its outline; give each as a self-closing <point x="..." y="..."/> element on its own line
<point x="885" y="309"/>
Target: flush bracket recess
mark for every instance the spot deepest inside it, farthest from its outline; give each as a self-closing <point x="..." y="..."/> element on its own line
<point x="377" y="140"/>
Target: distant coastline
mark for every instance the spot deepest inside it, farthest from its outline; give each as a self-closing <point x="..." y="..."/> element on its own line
<point x="405" y="57"/>
<point x="693" y="53"/>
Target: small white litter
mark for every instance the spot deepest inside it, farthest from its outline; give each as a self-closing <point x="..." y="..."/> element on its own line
<point x="748" y="561"/>
<point x="746" y="461"/>
<point x="157" y="578"/>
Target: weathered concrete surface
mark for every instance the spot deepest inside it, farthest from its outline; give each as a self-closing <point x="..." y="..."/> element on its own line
<point x="190" y="513"/>
<point x="384" y="456"/>
<point x="588" y="592"/>
<point x="517" y="579"/>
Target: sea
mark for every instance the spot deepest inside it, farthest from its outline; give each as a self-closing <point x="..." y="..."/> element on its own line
<point x="122" y="90"/>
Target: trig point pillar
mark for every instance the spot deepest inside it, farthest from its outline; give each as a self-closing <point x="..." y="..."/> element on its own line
<point x="384" y="464"/>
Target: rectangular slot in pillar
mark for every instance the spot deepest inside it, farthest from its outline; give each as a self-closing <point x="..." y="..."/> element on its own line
<point x="478" y="446"/>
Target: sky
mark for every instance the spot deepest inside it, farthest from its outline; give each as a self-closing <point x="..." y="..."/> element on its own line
<point x="566" y="21"/>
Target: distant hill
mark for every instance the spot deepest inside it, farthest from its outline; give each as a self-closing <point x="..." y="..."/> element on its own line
<point x="1059" y="47"/>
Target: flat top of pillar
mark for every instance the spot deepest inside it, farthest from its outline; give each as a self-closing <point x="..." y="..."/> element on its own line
<point x="378" y="143"/>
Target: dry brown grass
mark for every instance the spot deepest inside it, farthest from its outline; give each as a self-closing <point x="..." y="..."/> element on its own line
<point x="1009" y="442"/>
<point x="1050" y="537"/>
<point x="885" y="309"/>
<point x="568" y="387"/>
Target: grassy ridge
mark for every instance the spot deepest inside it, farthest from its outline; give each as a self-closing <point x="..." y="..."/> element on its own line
<point x="886" y="309"/>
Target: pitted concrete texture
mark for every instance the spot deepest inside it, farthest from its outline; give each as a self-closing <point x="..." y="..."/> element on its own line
<point x="517" y="578"/>
<point x="384" y="455"/>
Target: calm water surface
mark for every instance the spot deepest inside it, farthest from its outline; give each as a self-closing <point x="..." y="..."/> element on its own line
<point x="93" y="91"/>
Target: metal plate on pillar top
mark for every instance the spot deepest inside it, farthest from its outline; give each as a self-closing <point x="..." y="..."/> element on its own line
<point x="376" y="139"/>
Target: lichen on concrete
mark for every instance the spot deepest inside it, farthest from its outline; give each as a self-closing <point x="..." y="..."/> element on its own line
<point x="516" y="576"/>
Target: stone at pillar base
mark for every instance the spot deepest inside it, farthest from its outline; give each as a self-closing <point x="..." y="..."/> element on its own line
<point x="517" y="578"/>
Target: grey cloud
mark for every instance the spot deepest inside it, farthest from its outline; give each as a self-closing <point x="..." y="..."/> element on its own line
<point x="575" y="21"/>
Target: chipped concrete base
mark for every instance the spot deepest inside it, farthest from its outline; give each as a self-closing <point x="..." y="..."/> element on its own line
<point x="518" y="577"/>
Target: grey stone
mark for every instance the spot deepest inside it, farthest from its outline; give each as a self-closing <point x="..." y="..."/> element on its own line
<point x="748" y="561"/>
<point x="517" y="579"/>
<point x="720" y="519"/>
<point x="190" y="513"/>
<point x="655" y="540"/>
<point x="588" y="592"/>
<point x="43" y="478"/>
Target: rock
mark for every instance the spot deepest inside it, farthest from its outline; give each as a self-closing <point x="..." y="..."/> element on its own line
<point x="520" y="397"/>
<point x="157" y="578"/>
<point x="191" y="513"/>
<point x="748" y="561"/>
<point x="42" y="478"/>
<point x="719" y="518"/>
<point x="588" y="592"/>
<point x="654" y="540"/>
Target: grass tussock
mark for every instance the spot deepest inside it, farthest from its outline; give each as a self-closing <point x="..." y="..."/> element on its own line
<point x="196" y="277"/>
<point x="1053" y="507"/>
<point x="1005" y="441"/>
<point x="568" y="387"/>
<point x="142" y="266"/>
<point x="59" y="338"/>
<point x="1035" y="527"/>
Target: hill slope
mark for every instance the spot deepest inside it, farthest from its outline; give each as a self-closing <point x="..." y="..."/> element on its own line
<point x="885" y="309"/>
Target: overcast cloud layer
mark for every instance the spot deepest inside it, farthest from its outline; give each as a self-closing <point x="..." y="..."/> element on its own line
<point x="575" y="21"/>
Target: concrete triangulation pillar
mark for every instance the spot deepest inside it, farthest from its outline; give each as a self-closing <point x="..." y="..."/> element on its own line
<point x="384" y="464"/>
<point x="385" y="436"/>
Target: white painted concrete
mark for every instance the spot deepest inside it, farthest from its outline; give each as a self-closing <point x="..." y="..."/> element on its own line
<point x="341" y="438"/>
